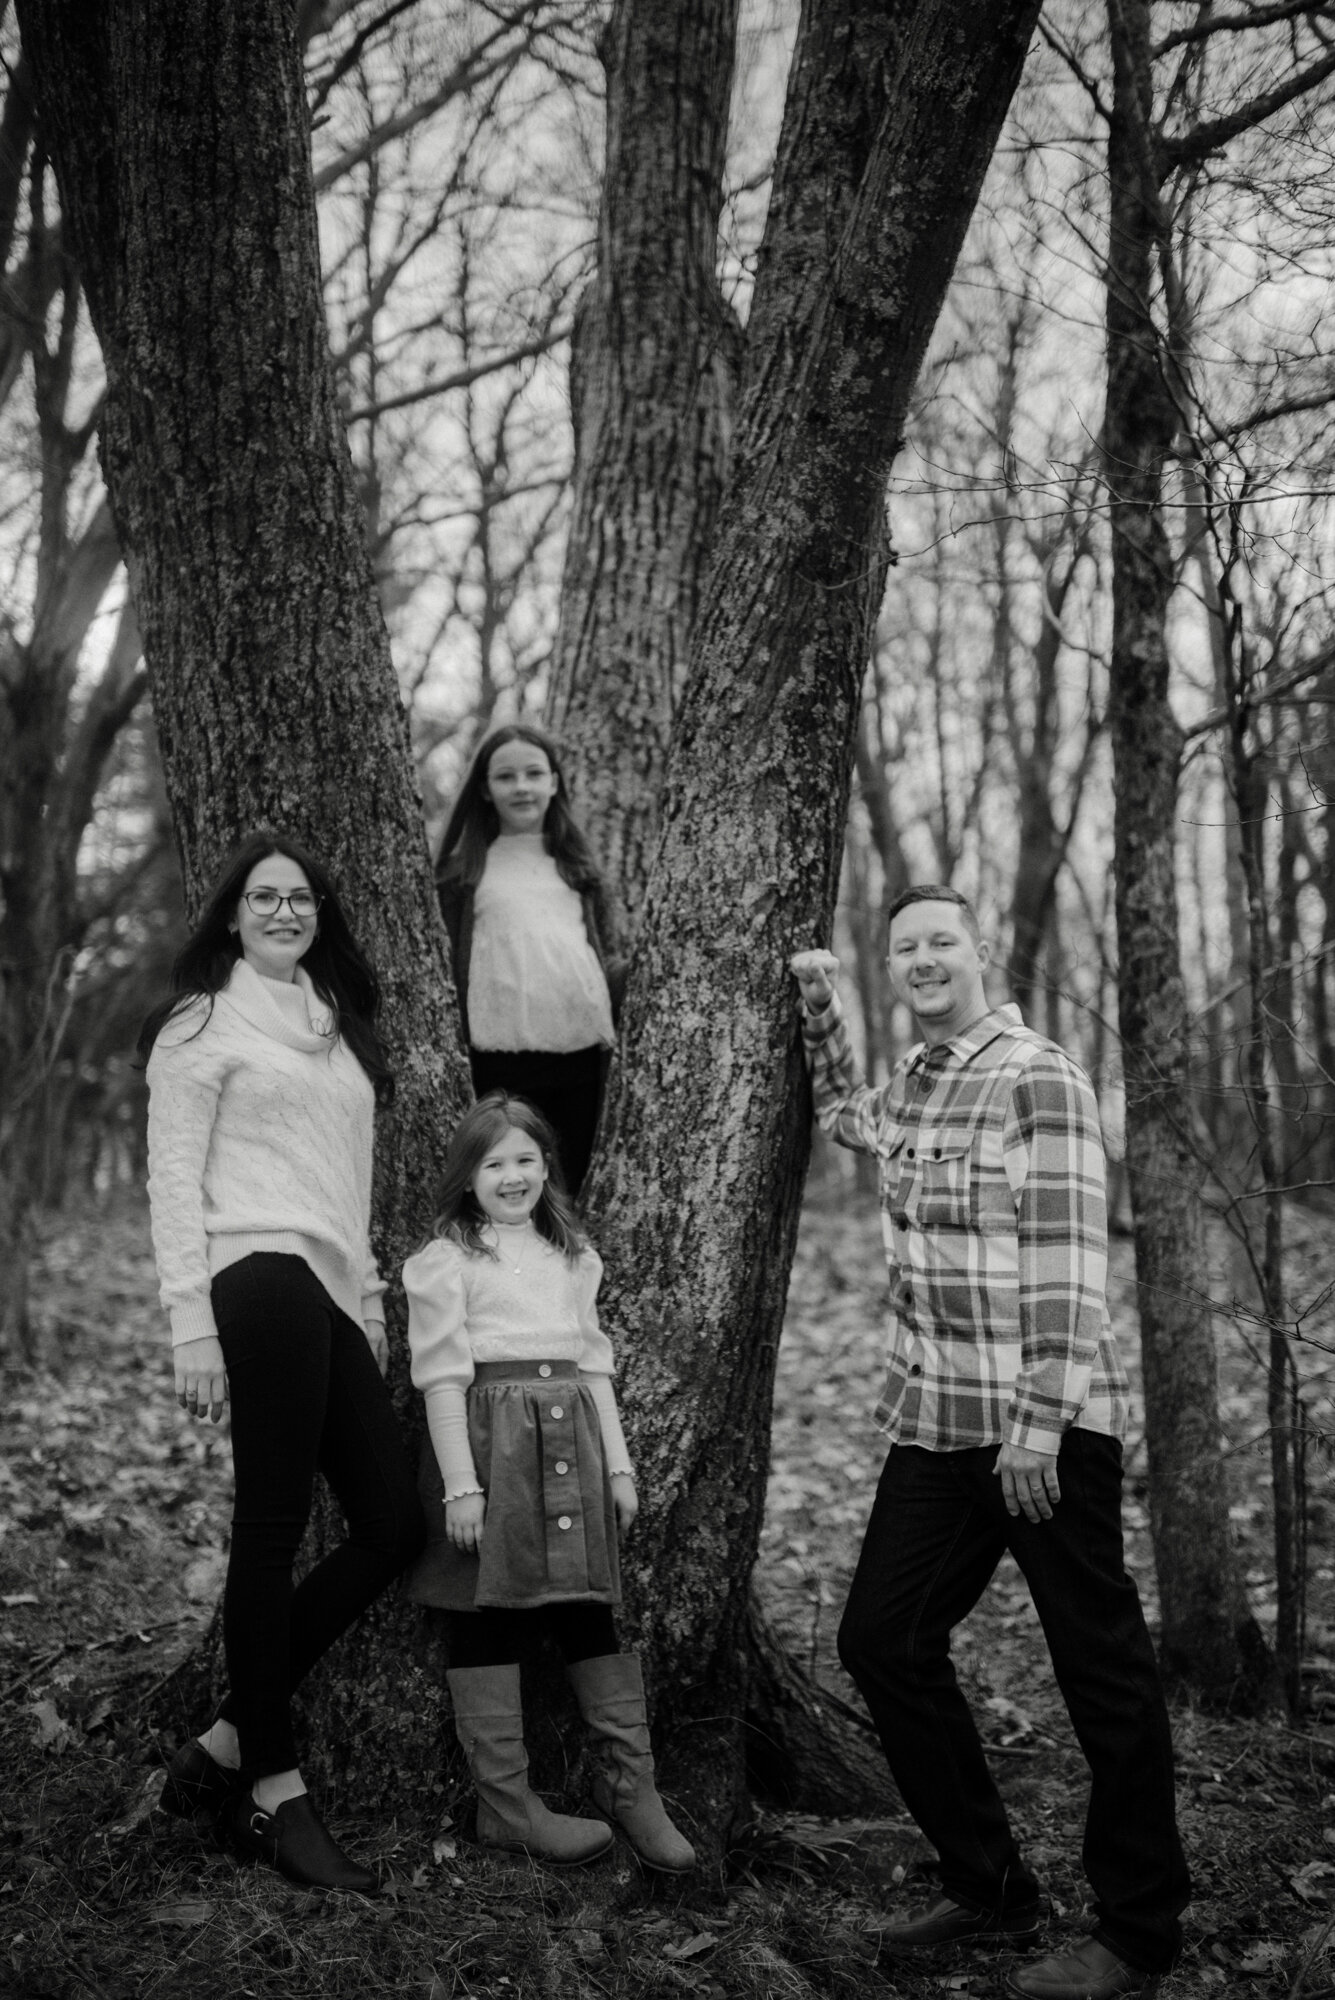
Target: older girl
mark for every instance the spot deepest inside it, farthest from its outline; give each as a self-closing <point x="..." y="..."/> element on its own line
<point x="264" y="1070"/>
<point x="525" y="909"/>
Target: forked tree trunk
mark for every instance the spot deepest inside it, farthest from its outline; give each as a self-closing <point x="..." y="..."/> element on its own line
<point x="1210" y="1639"/>
<point x="180" y="136"/>
<point x="890" y="120"/>
<point x="653" y="379"/>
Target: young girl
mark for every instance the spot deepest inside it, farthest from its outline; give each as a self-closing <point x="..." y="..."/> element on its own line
<point x="527" y="918"/>
<point x="264" y="1069"/>
<point x="527" y="1481"/>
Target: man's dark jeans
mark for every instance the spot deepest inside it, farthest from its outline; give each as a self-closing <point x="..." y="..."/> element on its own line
<point x="305" y="1396"/>
<point x="937" y="1531"/>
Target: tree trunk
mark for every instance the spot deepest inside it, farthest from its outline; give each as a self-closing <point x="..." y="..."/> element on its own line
<point x="1210" y="1639"/>
<point x="890" y="120"/>
<point x="1252" y="794"/>
<point x="870" y="754"/>
<point x="48" y="771"/>
<point x="180" y="138"/>
<point x="1043" y="842"/>
<point x="808" y="1749"/>
<point x="652" y="386"/>
<point x="866" y="926"/>
<point x="181" y="143"/>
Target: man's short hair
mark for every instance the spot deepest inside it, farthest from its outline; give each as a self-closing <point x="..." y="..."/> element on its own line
<point x="936" y="892"/>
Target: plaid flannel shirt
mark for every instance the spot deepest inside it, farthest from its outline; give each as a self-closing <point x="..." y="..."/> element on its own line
<point x="992" y="1209"/>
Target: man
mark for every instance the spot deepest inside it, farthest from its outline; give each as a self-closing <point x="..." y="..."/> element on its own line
<point x="1005" y="1403"/>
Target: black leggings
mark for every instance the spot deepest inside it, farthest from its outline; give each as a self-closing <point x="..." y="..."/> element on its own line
<point x="567" y="1090"/>
<point x="494" y="1638"/>
<point x="305" y="1394"/>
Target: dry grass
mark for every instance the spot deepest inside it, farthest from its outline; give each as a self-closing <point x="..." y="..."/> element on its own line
<point x="114" y="1512"/>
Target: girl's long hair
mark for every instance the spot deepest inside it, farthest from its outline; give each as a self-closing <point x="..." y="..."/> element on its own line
<point x="475" y="822"/>
<point x="338" y="971"/>
<point x="462" y="1218"/>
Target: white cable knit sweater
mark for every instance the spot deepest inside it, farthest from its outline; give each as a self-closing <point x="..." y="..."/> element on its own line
<point x="260" y="1131"/>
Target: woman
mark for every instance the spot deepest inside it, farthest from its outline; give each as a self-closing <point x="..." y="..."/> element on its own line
<point x="525" y="909"/>
<point x="264" y="1071"/>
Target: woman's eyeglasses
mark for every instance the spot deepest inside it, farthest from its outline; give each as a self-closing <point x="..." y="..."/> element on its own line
<point x="268" y="902"/>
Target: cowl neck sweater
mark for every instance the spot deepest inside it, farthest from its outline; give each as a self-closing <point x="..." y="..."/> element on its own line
<point x="260" y="1132"/>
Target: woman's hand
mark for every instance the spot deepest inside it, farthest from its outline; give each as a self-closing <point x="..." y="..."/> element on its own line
<point x="463" y="1521"/>
<point x="201" y="1377"/>
<point x="624" y="1499"/>
<point x="378" y="1342"/>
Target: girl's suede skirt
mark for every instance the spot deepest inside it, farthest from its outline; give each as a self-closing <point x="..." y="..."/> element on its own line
<point x="550" y="1530"/>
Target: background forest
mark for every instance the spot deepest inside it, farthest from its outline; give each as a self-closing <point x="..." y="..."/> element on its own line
<point x="566" y="254"/>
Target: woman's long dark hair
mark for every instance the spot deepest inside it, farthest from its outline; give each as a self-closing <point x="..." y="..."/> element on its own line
<point x="338" y="971"/>
<point x="461" y="1217"/>
<point x="475" y="822"/>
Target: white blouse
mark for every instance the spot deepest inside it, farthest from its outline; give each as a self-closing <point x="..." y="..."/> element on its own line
<point x="528" y="1304"/>
<point x="534" y="979"/>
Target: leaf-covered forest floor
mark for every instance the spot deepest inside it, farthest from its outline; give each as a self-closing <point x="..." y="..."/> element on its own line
<point x="113" y="1525"/>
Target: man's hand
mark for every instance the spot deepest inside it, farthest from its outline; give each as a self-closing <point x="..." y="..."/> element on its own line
<point x="814" y="972"/>
<point x="1028" y="1481"/>
<point x="201" y="1377"/>
<point x="463" y="1521"/>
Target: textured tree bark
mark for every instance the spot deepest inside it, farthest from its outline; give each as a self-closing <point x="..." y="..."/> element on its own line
<point x="1043" y="841"/>
<point x="1210" y="1639"/>
<point x="180" y="139"/>
<point x="891" y="117"/>
<point x="653" y="378"/>
<point x="806" y="1748"/>
<point x="181" y="145"/>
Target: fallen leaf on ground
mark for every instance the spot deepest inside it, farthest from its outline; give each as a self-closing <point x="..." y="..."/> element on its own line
<point x="189" y="1915"/>
<point x="702" y="1941"/>
<point x="53" y="1732"/>
<point x="143" y="1808"/>
<point x="1268" y="1956"/>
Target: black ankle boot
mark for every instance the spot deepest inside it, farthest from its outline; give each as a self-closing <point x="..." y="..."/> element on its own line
<point x="294" y="1840"/>
<point x="197" y="1783"/>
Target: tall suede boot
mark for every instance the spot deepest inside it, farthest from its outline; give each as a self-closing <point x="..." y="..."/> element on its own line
<point x="610" y="1693"/>
<point x="490" y="1726"/>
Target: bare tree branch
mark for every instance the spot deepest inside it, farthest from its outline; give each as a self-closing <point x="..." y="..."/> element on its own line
<point x="1255" y="17"/>
<point x="1191" y="148"/>
<point x="476" y="67"/>
<point x="348" y="58"/>
<point x="1285" y="683"/>
<point x="1289" y="406"/>
<point x="463" y="377"/>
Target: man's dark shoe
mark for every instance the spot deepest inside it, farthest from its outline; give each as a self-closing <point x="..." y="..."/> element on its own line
<point x="1092" y="1972"/>
<point x="943" y="1922"/>
<point x="295" y="1840"/>
<point x="197" y="1783"/>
